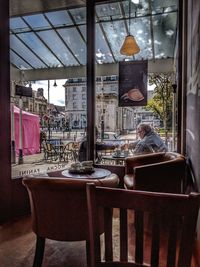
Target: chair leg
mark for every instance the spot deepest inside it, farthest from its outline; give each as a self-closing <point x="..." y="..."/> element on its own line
<point x="88" y="253"/>
<point x="39" y="251"/>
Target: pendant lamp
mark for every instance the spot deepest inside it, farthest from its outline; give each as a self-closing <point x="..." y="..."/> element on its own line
<point x="129" y="47"/>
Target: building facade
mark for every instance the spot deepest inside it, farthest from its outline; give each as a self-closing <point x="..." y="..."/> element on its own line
<point x="109" y="116"/>
<point x="37" y="104"/>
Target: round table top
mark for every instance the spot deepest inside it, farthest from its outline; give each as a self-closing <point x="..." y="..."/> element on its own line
<point x="97" y="174"/>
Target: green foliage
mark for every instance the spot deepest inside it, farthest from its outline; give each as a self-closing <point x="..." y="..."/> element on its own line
<point x="161" y="103"/>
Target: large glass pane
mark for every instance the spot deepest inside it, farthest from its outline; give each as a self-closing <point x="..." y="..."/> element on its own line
<point x="115" y="32"/>
<point x="40" y="49"/>
<point x="103" y="53"/>
<point x="59" y="18"/>
<point x="37" y="22"/>
<point x="109" y="11"/>
<point x="18" y="25"/>
<point x="140" y="28"/>
<point x="163" y="6"/>
<point x="79" y="15"/>
<point x="164" y="27"/>
<point x="58" y="47"/>
<point x="25" y="53"/>
<point x="140" y="9"/>
<point x="74" y="40"/>
<point x="18" y="62"/>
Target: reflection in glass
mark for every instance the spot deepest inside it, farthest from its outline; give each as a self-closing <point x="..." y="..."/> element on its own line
<point x="42" y="51"/>
<point x="59" y="18"/>
<point x="25" y="53"/>
<point x="58" y="47"/>
<point x="164" y="34"/>
<point x="79" y="15"/>
<point x="103" y="53"/>
<point x="18" y="25"/>
<point x="74" y="40"/>
<point x="37" y="21"/>
<point x="17" y="61"/>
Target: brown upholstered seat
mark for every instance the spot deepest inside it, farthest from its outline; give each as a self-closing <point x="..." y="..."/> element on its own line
<point x="59" y="209"/>
<point x="158" y="172"/>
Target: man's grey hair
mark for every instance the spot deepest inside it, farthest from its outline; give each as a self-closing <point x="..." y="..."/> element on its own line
<point x="145" y="127"/>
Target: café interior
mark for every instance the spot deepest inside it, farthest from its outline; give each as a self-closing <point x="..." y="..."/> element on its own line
<point x="114" y="215"/>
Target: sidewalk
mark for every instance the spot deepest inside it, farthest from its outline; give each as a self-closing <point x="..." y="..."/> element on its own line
<point x="34" y="164"/>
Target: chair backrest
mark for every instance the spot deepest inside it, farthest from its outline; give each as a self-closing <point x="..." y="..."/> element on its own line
<point x="166" y="241"/>
<point x="160" y="172"/>
<point x="48" y="147"/>
<point x="69" y="146"/>
<point x="144" y="159"/>
<point x="58" y="207"/>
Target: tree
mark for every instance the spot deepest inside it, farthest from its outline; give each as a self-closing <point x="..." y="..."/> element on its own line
<point x="161" y="103"/>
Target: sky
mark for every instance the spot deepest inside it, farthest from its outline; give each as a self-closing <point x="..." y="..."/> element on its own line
<point x="56" y="94"/>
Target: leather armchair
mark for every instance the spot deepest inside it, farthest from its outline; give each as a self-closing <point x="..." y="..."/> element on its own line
<point x="59" y="209"/>
<point x="158" y="172"/>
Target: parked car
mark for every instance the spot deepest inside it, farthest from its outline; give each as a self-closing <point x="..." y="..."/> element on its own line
<point x="110" y="136"/>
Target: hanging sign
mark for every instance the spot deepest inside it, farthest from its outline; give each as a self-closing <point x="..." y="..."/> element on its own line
<point x="133" y="83"/>
<point x="23" y="91"/>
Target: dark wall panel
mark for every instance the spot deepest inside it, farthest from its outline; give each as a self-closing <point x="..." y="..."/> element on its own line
<point x="193" y="89"/>
<point x="5" y="163"/>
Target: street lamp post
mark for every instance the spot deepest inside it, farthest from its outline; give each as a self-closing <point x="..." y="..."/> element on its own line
<point x="124" y="121"/>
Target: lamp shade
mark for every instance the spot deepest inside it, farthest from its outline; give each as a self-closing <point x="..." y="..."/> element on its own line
<point x="129" y="46"/>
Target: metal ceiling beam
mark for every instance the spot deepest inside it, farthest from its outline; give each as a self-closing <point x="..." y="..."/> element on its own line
<point x="151" y="30"/>
<point x="123" y="15"/>
<point x="157" y="66"/>
<point x="24" y="7"/>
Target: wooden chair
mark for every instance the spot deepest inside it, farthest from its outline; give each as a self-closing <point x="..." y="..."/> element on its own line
<point x="69" y="152"/>
<point x="50" y="153"/>
<point x="173" y="216"/>
<point x="59" y="209"/>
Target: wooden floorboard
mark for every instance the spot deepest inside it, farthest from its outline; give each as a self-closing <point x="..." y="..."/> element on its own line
<point x="17" y="243"/>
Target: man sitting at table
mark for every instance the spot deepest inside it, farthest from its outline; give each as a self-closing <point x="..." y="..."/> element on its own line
<point x="149" y="141"/>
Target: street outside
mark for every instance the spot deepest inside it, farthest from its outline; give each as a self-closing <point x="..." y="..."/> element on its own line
<point x="34" y="164"/>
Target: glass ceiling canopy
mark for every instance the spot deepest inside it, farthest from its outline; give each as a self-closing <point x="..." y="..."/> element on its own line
<point x="58" y="39"/>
